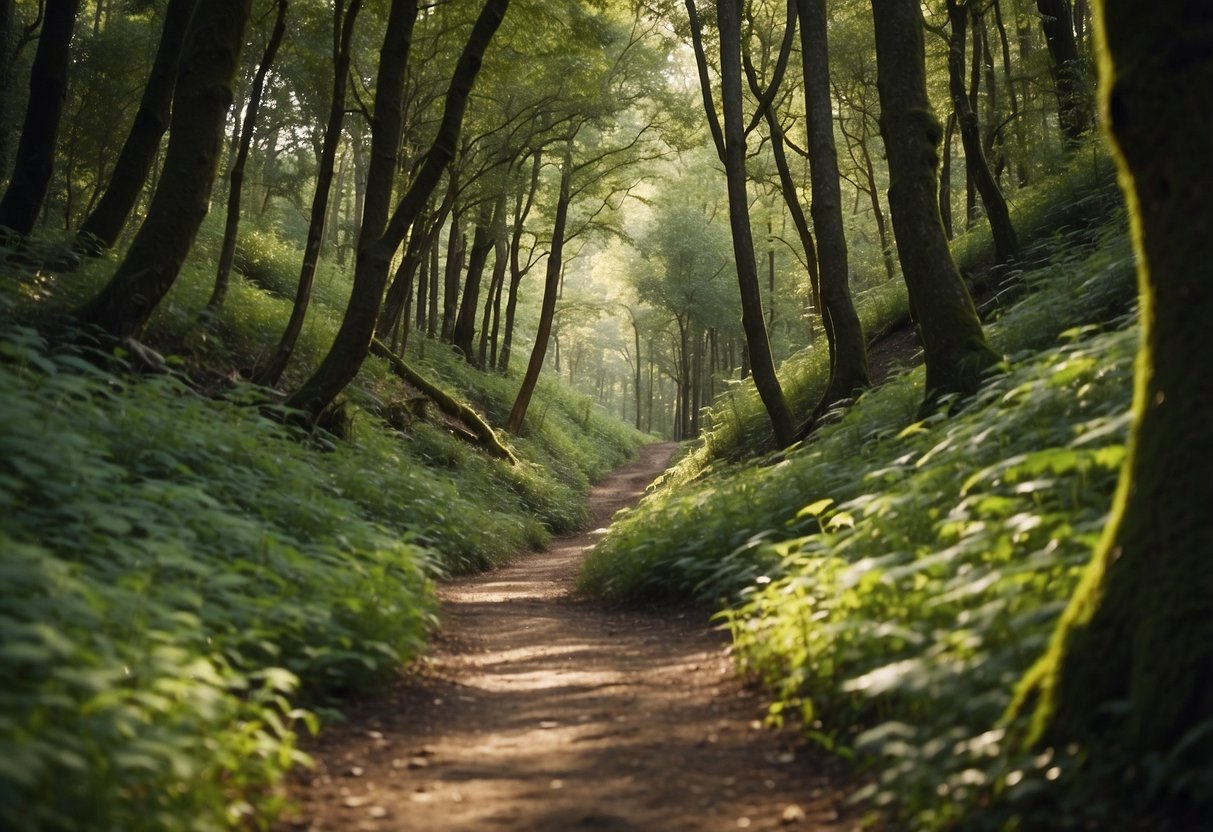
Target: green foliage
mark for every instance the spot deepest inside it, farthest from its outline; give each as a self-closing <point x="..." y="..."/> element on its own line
<point x="182" y="578"/>
<point x="891" y="580"/>
<point x="175" y="568"/>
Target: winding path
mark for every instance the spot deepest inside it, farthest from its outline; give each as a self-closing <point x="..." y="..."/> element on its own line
<point x="541" y="711"/>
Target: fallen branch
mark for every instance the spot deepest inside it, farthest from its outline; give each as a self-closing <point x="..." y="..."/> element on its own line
<point x="448" y="404"/>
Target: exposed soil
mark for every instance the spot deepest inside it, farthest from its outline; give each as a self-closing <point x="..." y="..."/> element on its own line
<point x="538" y="710"/>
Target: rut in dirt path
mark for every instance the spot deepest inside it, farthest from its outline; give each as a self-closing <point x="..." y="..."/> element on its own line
<point x="540" y="711"/>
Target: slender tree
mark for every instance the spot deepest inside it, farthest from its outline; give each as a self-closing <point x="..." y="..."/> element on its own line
<point x="1139" y="629"/>
<point x="203" y="97"/>
<point x="101" y="227"/>
<point x="551" y="288"/>
<point x="731" y="146"/>
<point x="848" y="351"/>
<point x="252" y="108"/>
<point x="343" y="33"/>
<point x="378" y="241"/>
<point x="1006" y="244"/>
<point x="35" y="160"/>
<point x="954" y="344"/>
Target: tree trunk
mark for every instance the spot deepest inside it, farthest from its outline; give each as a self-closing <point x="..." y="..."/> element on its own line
<point x="401" y="289"/>
<point x="1140" y="626"/>
<point x="1072" y="108"/>
<point x="762" y="363"/>
<point x="492" y="306"/>
<point x="377" y="244"/>
<point x="456" y="245"/>
<point x="7" y="29"/>
<point x="101" y="228"/>
<point x="849" y="364"/>
<point x="231" y="230"/>
<point x="343" y="32"/>
<point x="1021" y="144"/>
<point x="35" y="160"/>
<point x="551" y="287"/>
<point x="521" y="209"/>
<point x="1006" y="245"/>
<point x="945" y="178"/>
<point x="464" y="331"/>
<point x="954" y="344"/>
<point x="203" y="96"/>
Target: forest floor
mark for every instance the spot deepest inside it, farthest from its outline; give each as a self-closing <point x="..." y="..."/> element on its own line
<point x="540" y="710"/>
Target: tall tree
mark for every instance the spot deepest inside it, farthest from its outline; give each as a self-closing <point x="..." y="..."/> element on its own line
<point x="1006" y="244"/>
<point x="343" y="33"/>
<point x="551" y="288"/>
<point x="848" y="351"/>
<point x="101" y="227"/>
<point x="953" y="341"/>
<point x="731" y="146"/>
<point x="252" y="108"/>
<point x="381" y="236"/>
<point x="35" y="160"/>
<point x="1140" y="626"/>
<point x="202" y="100"/>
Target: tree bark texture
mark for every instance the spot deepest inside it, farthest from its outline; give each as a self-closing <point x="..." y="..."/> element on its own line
<point x="954" y="344"/>
<point x="101" y="227"/>
<point x="231" y="230"/>
<point x="849" y="359"/>
<point x="762" y="362"/>
<point x="35" y="160"/>
<point x="522" y="208"/>
<point x="1140" y="626"/>
<point x="203" y="97"/>
<point x="1006" y="244"/>
<point x="377" y="244"/>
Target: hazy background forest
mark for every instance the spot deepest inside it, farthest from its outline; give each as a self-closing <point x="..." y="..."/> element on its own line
<point x="306" y="306"/>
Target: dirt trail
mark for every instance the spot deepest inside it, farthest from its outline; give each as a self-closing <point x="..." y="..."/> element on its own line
<point x="539" y="711"/>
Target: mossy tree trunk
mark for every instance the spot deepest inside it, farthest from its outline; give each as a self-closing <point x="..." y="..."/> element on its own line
<point x="101" y="228"/>
<point x="1140" y="626"/>
<point x="377" y="243"/>
<point x="849" y="357"/>
<point x="954" y="344"/>
<point x="1006" y="244"/>
<point x="182" y="197"/>
<point x="35" y="159"/>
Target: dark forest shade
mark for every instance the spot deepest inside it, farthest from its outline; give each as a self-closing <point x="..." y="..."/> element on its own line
<point x="101" y="228"/>
<point x="35" y="160"/>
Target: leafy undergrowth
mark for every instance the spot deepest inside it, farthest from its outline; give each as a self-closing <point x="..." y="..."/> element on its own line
<point x="185" y="584"/>
<point x="890" y="581"/>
